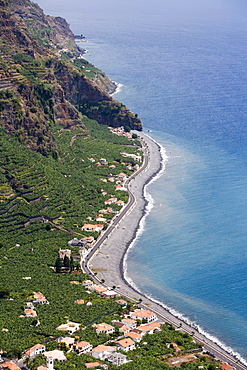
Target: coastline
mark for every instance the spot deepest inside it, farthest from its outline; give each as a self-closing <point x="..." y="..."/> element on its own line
<point x="112" y="254"/>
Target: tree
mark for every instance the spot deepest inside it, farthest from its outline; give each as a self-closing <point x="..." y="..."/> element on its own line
<point x="58" y="265"/>
<point x="72" y="266"/>
<point x="66" y="263"/>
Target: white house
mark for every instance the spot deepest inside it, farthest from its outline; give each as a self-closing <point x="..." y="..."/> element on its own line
<point x="126" y="344"/>
<point x="143" y="315"/>
<point x="104" y="328"/>
<point x="83" y="347"/>
<point x="35" y="350"/>
<point x="101" y="352"/>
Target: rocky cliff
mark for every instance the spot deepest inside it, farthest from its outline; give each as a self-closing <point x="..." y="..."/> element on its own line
<point x="44" y="81"/>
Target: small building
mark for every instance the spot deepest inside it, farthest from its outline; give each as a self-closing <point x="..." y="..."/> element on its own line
<point x="39" y="298"/>
<point x="103" y="162"/>
<point x="87" y="283"/>
<point x="29" y="312"/>
<point x="143" y="315"/>
<point x="109" y="294"/>
<point x="177" y="349"/>
<point x="83" y="347"/>
<point x="117" y="359"/>
<point x="64" y="253"/>
<point x="110" y="201"/>
<point x="104" y="328"/>
<point x="120" y="203"/>
<point x="122" y="176"/>
<point x="146" y="329"/>
<point x="126" y="344"/>
<point x="56" y="355"/>
<point x="35" y="350"/>
<point x="98" y="288"/>
<point x="101" y="352"/>
<point x="68" y="341"/>
<point x="91" y="365"/>
<point x="70" y="326"/>
<point x="122" y="302"/>
<point x="79" y="301"/>
<point x="129" y="322"/>
<point x="92" y="227"/>
<point x="77" y="242"/>
<point x="10" y="365"/>
<point x="226" y="366"/>
<point x="134" y="336"/>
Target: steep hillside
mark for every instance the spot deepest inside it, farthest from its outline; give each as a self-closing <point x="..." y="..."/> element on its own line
<point x="43" y="79"/>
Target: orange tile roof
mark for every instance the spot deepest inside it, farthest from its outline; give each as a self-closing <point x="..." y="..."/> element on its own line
<point x="79" y="301"/>
<point x="125" y="342"/>
<point x="101" y="348"/>
<point x="226" y="366"/>
<point x="134" y="335"/>
<point x="91" y="364"/>
<point x="32" y="349"/>
<point x="142" y="313"/>
<point x="130" y="321"/>
<point x="10" y="365"/>
<point x="82" y="344"/>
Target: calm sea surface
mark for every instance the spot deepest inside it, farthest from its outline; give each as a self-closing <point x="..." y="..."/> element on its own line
<point x="183" y="67"/>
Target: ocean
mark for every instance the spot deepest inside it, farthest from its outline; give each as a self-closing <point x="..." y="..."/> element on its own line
<point x="182" y="66"/>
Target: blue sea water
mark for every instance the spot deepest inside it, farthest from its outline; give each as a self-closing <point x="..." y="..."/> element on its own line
<point x="183" y="67"/>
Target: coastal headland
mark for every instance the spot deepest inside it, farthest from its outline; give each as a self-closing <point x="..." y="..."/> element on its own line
<point x="105" y="263"/>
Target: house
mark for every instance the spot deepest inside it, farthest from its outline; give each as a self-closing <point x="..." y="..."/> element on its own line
<point x="110" y="201"/>
<point x="122" y="176"/>
<point x="39" y="298"/>
<point x="35" y="350"/>
<point x="124" y="329"/>
<point x="91" y="160"/>
<point x="126" y="344"/>
<point x="177" y="349"/>
<point x="79" y="301"/>
<point x="9" y="365"/>
<point x="100" y="219"/>
<point x="120" y="203"/>
<point x="104" y="328"/>
<point x="64" y="253"/>
<point x="103" y="162"/>
<point x="77" y="242"/>
<point x="29" y="312"/>
<point x="83" y="347"/>
<point x="226" y="366"/>
<point x="112" y="166"/>
<point x="87" y="283"/>
<point x="122" y="302"/>
<point x="155" y="325"/>
<point x="130" y="322"/>
<point x="117" y="359"/>
<point x="69" y="341"/>
<point x="56" y="355"/>
<point x="98" y="288"/>
<point x="91" y="365"/>
<point x="92" y="227"/>
<point x="101" y="352"/>
<point x="70" y="326"/>
<point x="111" y="179"/>
<point x="143" y="315"/>
<point x="134" y="336"/>
<point x="146" y="329"/>
<point x="109" y="294"/>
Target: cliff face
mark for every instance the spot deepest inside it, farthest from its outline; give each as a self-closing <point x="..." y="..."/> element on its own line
<point x="42" y="81"/>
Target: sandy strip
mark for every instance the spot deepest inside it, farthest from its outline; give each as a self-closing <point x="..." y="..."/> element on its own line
<point x="108" y="260"/>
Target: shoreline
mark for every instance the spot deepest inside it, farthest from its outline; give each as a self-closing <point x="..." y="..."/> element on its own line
<point x="113" y="255"/>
